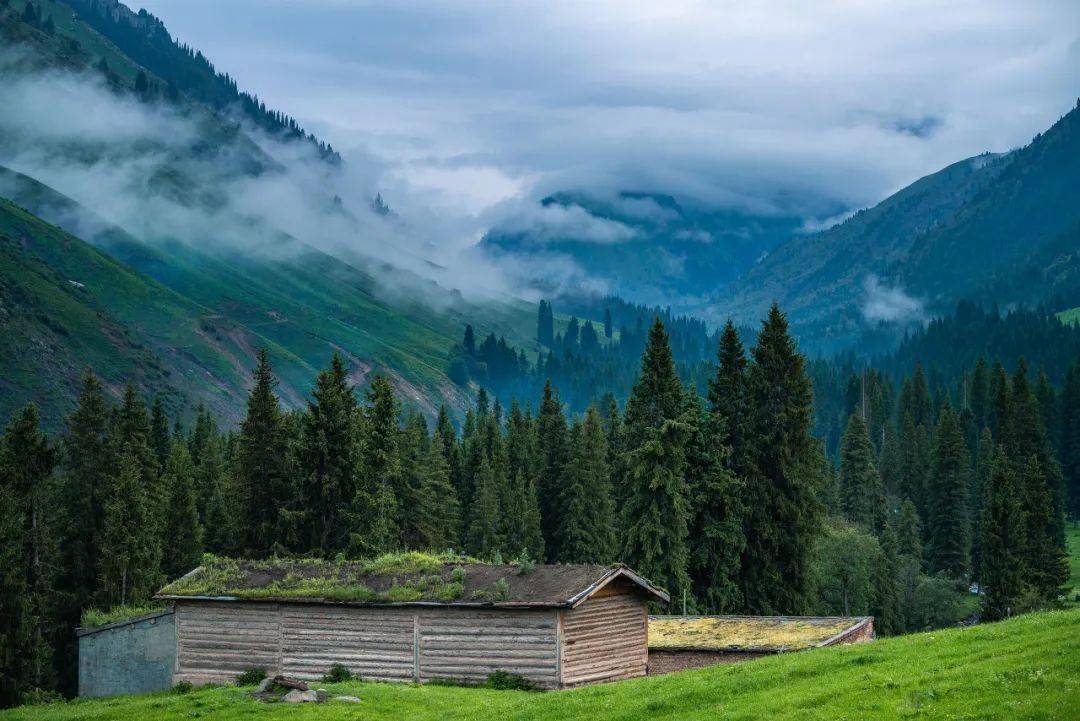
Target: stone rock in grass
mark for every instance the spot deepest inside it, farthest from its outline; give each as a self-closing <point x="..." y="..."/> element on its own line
<point x="347" y="699"/>
<point x="298" y="696"/>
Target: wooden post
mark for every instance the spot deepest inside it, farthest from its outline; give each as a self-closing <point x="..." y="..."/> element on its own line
<point x="416" y="647"/>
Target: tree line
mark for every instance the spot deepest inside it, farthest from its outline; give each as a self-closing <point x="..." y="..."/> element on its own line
<point x="725" y="498"/>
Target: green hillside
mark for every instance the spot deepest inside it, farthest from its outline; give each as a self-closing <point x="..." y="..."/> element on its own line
<point x="1019" y="669"/>
<point x="196" y="319"/>
<point x="65" y="305"/>
<point x="267" y="289"/>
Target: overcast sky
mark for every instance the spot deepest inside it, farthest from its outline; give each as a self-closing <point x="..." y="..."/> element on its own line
<point x="472" y="106"/>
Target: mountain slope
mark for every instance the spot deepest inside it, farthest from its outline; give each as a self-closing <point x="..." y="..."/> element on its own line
<point x="645" y="247"/>
<point x="164" y="206"/>
<point x="65" y="305"/>
<point x="304" y="306"/>
<point x="1023" y="668"/>
<point x="969" y="228"/>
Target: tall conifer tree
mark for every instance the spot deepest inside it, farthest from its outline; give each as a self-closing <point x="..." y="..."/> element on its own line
<point x="374" y="527"/>
<point x="183" y="532"/>
<point x="656" y="513"/>
<point x="783" y="513"/>
<point x="329" y="454"/>
<point x="949" y="524"/>
<point x="1003" y="541"/>
<point x="861" y="494"/>
<point x="262" y="464"/>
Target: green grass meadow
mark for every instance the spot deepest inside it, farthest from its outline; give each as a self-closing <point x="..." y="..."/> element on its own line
<point x="1025" y="668"/>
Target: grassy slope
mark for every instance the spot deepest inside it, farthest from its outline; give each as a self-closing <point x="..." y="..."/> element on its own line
<point x="124" y="325"/>
<point x="1020" y="669"/>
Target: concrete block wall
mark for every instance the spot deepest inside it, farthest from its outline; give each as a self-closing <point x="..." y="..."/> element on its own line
<point x="129" y="657"/>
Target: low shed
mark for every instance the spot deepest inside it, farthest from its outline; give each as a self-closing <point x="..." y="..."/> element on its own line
<point x="413" y="620"/>
<point x="681" y="642"/>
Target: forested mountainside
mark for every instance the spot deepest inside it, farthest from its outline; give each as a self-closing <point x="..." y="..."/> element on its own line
<point x="648" y="248"/>
<point x="144" y="39"/>
<point x="238" y="280"/>
<point x="999" y="228"/>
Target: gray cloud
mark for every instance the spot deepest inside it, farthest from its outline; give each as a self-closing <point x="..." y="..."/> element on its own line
<point x="771" y="106"/>
<point x="890" y="304"/>
<point x="110" y="153"/>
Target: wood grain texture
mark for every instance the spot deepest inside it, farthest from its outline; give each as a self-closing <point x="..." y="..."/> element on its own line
<point x="605" y="639"/>
<point x="467" y="645"/>
<point x="218" y="641"/>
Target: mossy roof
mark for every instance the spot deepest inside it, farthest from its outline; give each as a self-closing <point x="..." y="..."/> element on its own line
<point x="766" y="634"/>
<point x="400" y="578"/>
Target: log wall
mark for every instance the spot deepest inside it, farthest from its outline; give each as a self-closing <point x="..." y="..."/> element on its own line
<point x="373" y="643"/>
<point x="467" y="645"/>
<point x="605" y="638"/>
<point x="217" y="640"/>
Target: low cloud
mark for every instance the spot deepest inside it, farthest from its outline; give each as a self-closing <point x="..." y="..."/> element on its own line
<point x="542" y="224"/>
<point x="141" y="166"/>
<point x="889" y="304"/>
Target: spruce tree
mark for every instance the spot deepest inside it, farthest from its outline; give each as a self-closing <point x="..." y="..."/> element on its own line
<point x="656" y="513"/>
<point x="483" y="536"/>
<point x="586" y="531"/>
<point x="183" y="532"/>
<point x="949" y="524"/>
<point x="84" y="478"/>
<point x="329" y="454"/>
<point x="716" y="503"/>
<point x="262" y="465"/>
<point x="551" y="435"/>
<point x="984" y="460"/>
<point x="861" y="494"/>
<point x="374" y="514"/>
<point x="729" y="410"/>
<point x="885" y="606"/>
<point x="412" y="451"/>
<point x="27" y="557"/>
<point x="1003" y="542"/>
<point x="1045" y="563"/>
<point x="130" y="558"/>
<point x="438" y="511"/>
<point x="160" y="439"/>
<point x="523" y="537"/>
<point x="783" y="514"/>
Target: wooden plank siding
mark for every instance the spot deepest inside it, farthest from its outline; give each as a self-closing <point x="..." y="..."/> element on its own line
<point x="605" y="638"/>
<point x="217" y="641"/>
<point x="373" y="643"/>
<point x="467" y="645"/>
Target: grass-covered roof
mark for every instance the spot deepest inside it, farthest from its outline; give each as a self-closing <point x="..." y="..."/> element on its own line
<point x="402" y="578"/>
<point x="744" y="633"/>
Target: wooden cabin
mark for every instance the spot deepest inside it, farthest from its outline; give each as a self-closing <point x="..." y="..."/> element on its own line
<point x="556" y="625"/>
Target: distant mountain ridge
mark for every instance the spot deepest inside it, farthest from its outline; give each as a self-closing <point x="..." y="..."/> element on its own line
<point x="651" y="248"/>
<point x="997" y="228"/>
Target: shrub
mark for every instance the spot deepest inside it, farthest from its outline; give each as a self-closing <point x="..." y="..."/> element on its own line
<point x="337" y="674"/>
<point x="505" y="681"/>
<point x="182" y="687"/>
<point x="251" y="676"/>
